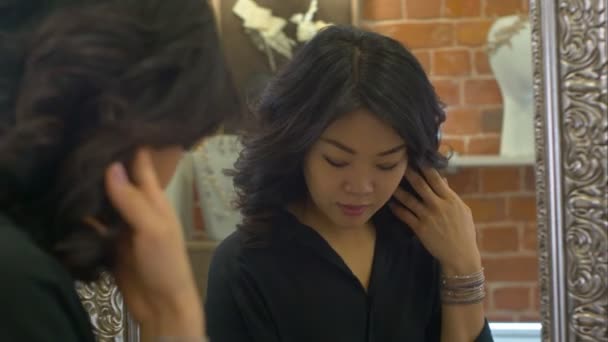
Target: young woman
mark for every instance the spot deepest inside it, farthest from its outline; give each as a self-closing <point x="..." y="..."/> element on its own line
<point x="332" y="247"/>
<point x="97" y="101"/>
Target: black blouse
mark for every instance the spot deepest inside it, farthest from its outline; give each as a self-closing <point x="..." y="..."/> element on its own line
<point x="296" y="288"/>
<point x="38" y="300"/>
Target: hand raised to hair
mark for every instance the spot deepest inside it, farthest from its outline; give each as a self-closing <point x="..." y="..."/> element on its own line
<point x="441" y="220"/>
<point x="153" y="271"/>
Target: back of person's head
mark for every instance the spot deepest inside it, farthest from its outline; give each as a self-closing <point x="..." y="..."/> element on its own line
<point x="341" y="70"/>
<point x="85" y="83"/>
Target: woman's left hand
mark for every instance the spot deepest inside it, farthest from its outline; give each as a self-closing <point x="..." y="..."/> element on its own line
<point x="442" y="221"/>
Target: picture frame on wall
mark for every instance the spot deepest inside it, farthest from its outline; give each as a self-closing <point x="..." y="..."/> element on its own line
<point x="250" y="62"/>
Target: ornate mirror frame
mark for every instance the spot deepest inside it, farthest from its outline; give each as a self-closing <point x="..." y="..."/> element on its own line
<point x="111" y="321"/>
<point x="570" y="51"/>
<point x="570" y="48"/>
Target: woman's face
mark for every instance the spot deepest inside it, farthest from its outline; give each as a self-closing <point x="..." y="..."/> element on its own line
<point x="354" y="168"/>
<point x="165" y="162"/>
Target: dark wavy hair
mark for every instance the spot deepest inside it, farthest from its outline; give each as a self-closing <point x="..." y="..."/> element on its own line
<point x="340" y="70"/>
<point x="83" y="84"/>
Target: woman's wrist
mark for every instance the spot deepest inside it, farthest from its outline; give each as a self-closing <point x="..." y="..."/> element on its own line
<point x="180" y="316"/>
<point x="462" y="266"/>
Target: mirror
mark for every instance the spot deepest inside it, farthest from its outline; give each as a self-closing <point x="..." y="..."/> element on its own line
<point x="538" y="69"/>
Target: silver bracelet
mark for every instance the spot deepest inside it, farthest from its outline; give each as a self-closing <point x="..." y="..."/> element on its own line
<point x="471" y="298"/>
<point x="463" y="289"/>
<point x="475" y="275"/>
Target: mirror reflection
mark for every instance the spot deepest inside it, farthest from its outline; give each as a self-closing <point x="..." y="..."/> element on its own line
<point x="476" y="55"/>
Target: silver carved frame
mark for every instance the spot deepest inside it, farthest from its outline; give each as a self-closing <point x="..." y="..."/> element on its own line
<point x="570" y="49"/>
<point x="570" y="52"/>
<point x="111" y="321"/>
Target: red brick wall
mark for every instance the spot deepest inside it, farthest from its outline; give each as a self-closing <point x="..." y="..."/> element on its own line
<point x="448" y="37"/>
<point x="504" y="207"/>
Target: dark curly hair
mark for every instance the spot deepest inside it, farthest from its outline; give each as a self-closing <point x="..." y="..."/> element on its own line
<point x="83" y="84"/>
<point x="340" y="70"/>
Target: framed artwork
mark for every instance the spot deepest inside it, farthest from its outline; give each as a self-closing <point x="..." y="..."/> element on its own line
<point x="251" y="59"/>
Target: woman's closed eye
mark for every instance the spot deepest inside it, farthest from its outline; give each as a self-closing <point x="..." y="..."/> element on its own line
<point x="387" y="167"/>
<point x="340" y="164"/>
<point x="335" y="163"/>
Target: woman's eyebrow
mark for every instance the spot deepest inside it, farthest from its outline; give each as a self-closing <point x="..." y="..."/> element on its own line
<point x="352" y="151"/>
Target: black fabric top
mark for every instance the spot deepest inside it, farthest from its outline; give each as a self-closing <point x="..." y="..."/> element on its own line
<point x="296" y="288"/>
<point x="38" y="300"/>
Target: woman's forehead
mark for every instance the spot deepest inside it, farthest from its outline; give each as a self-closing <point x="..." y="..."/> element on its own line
<point x="361" y="132"/>
<point x="362" y="124"/>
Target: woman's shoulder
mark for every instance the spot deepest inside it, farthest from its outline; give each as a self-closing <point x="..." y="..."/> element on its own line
<point x="31" y="278"/>
<point x="244" y="252"/>
<point x="227" y="262"/>
<point x="20" y="257"/>
<point x="229" y="249"/>
<point x="239" y="245"/>
<point x="27" y="268"/>
<point x="249" y="243"/>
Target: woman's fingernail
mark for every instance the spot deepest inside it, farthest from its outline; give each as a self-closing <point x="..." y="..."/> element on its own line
<point x="119" y="174"/>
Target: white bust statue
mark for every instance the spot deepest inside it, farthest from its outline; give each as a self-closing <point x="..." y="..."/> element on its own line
<point x="510" y="53"/>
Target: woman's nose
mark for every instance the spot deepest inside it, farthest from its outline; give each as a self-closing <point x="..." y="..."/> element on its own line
<point x="361" y="185"/>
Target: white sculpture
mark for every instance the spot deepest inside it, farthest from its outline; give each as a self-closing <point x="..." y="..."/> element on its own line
<point x="307" y="28"/>
<point x="267" y="29"/>
<point x="510" y="53"/>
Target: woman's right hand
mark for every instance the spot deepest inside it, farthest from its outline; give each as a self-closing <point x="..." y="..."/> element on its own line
<point x="153" y="271"/>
